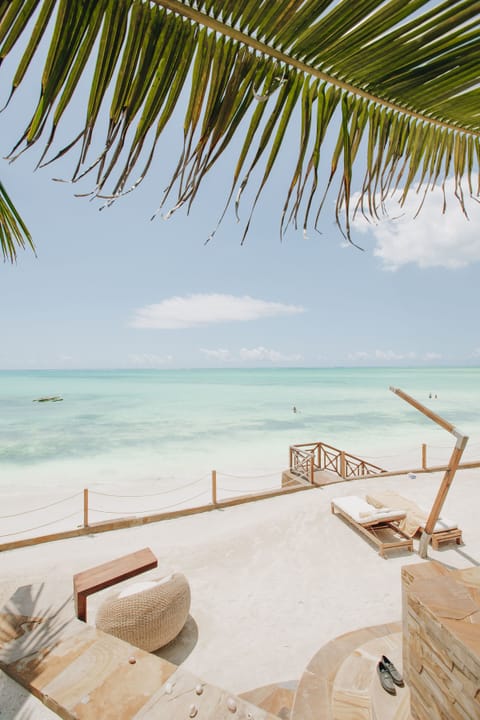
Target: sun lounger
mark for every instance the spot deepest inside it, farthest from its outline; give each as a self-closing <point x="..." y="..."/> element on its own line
<point x="416" y="518"/>
<point x="379" y="525"/>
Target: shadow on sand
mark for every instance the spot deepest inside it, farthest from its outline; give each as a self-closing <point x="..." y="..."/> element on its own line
<point x="28" y="622"/>
<point x="180" y="648"/>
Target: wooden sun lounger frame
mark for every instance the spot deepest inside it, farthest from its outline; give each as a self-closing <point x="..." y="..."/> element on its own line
<point x="445" y="536"/>
<point x="369" y="529"/>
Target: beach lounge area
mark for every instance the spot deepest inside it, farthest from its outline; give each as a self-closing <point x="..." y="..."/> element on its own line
<point x="272" y="582"/>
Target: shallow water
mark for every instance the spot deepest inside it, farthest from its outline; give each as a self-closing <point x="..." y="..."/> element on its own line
<point x="134" y="426"/>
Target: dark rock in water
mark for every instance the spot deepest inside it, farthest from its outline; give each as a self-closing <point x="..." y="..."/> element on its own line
<point x="54" y="398"/>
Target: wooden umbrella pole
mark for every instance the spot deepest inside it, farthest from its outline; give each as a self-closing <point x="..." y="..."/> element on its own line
<point x="450" y="472"/>
<point x="442" y="493"/>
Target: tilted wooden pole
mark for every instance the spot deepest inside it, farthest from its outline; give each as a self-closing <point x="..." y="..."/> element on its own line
<point x="461" y="442"/>
<point x="442" y="493"/>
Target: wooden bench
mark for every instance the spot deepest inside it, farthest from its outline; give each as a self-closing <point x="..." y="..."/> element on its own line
<point x="102" y="576"/>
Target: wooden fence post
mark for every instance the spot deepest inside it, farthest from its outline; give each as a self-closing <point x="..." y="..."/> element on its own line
<point x="424" y="456"/>
<point x="312" y="470"/>
<point x="291" y="458"/>
<point x="342" y="465"/>
<point x="85" y="507"/>
<point x="214" y="487"/>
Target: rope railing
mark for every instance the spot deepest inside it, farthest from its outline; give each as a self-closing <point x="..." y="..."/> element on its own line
<point x="117" y="517"/>
<point x="250" y="477"/>
<point x="310" y="456"/>
<point x="148" y="510"/>
<point x="42" y="507"/>
<point x="38" y="527"/>
<point x="155" y="494"/>
<point x="244" y="490"/>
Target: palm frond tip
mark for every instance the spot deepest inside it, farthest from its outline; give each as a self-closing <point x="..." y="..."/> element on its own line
<point x="395" y="82"/>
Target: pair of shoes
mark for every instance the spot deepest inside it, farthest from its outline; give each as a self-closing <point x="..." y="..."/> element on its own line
<point x="389" y="675"/>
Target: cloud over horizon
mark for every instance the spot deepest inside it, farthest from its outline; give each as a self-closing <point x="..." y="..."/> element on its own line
<point x="248" y="355"/>
<point x="432" y="239"/>
<point x="207" y="309"/>
<point x="392" y="356"/>
<point x="149" y="360"/>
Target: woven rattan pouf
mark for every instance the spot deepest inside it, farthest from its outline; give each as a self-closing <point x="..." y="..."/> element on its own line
<point x="147" y="614"/>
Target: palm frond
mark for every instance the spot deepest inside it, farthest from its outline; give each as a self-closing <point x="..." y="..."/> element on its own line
<point x="395" y="82"/>
<point x="13" y="232"/>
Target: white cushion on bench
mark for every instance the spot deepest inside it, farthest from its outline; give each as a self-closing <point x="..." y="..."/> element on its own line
<point x="362" y="512"/>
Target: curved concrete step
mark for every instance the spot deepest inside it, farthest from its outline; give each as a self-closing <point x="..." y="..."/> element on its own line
<point x="313" y="699"/>
<point x="276" y="699"/>
<point x="357" y="693"/>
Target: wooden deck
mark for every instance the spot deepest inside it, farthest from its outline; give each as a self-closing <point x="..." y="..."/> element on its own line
<point x="320" y="478"/>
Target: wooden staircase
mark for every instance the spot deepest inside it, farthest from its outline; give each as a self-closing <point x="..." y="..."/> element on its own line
<point x="310" y="462"/>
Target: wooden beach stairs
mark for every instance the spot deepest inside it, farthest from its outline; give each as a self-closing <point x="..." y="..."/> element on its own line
<point x="82" y="673"/>
<point x="317" y="463"/>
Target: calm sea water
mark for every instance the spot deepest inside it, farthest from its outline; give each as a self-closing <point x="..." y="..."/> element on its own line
<point x="131" y="427"/>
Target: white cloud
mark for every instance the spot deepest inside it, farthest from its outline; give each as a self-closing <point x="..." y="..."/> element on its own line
<point x="432" y="239"/>
<point x="148" y="360"/>
<point x="358" y="355"/>
<point x="220" y="354"/>
<point x="249" y="355"/>
<point x="264" y="354"/>
<point x="391" y="356"/>
<point x="476" y="353"/>
<point x="205" y="309"/>
<point x="388" y="355"/>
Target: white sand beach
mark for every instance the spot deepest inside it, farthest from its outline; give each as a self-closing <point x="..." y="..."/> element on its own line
<point x="271" y="581"/>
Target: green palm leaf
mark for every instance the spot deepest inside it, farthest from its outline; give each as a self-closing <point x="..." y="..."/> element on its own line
<point x="13" y="232"/>
<point x="394" y="82"/>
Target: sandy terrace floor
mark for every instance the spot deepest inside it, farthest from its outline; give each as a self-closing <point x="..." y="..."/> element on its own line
<point x="271" y="581"/>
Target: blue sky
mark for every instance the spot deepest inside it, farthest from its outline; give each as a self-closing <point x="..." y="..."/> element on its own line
<point x="114" y="289"/>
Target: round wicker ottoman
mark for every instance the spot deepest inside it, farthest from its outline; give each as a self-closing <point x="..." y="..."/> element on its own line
<point x="147" y="614"/>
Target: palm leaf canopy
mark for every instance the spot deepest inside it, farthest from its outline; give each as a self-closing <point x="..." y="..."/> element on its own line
<point x="395" y="81"/>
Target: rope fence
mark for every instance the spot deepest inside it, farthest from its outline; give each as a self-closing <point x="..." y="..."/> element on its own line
<point x="43" y="507"/>
<point x="155" y="494"/>
<point x="208" y="489"/>
<point x="38" y="527"/>
<point x="149" y="510"/>
<point x="126" y="516"/>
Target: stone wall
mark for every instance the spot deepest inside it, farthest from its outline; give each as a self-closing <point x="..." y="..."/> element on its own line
<point x="441" y="641"/>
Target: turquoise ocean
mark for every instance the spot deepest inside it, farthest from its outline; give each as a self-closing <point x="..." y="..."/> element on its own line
<point x="131" y="427"/>
<point x="146" y="441"/>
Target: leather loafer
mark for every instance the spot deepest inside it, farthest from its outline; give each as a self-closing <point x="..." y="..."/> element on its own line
<point x="386" y="679"/>
<point x="396" y="677"/>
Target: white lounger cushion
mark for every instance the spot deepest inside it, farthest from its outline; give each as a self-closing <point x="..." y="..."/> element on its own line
<point x="362" y="512"/>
